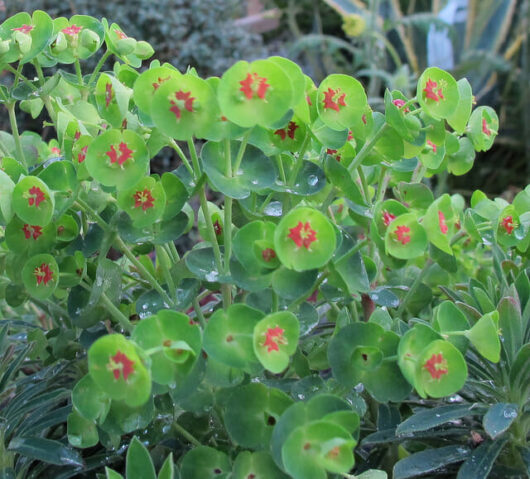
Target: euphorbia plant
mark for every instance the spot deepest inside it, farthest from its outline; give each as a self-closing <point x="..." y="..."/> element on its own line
<point x="324" y="284"/>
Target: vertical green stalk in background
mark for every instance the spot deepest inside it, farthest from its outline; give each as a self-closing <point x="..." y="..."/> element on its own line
<point x="14" y="129"/>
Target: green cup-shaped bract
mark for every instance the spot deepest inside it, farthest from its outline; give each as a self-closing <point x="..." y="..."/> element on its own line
<point x="40" y="275"/>
<point x="33" y="202"/>
<point x="144" y="202"/>
<point x="437" y="93"/>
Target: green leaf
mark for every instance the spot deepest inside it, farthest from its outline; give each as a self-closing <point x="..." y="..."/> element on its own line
<point x="485" y="337"/>
<point x="437" y="93"/>
<point x="82" y="433"/>
<point x="110" y="474"/>
<point x="499" y="418"/>
<point x="258" y="465"/>
<point x="90" y="400"/>
<point x="458" y="119"/>
<point x="167" y="471"/>
<point x="139" y="463"/>
<point x="46" y="450"/>
<point x="421" y="463"/>
<point x="481" y="460"/>
<point x="510" y="324"/>
<point x="405" y="238"/>
<point x="205" y="463"/>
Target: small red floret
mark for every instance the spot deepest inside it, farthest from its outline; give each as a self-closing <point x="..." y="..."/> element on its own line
<point x="350" y="135"/>
<point x="184" y="101"/>
<point x="31" y="231"/>
<point x="36" y="196"/>
<point x="121" y="364"/>
<point x="43" y="274"/>
<point x="435" y="366"/>
<point x="333" y="99"/>
<point x="273" y="337"/>
<point x="441" y="221"/>
<point x="109" y="94"/>
<point x="388" y="217"/>
<point x="485" y="128"/>
<point x="302" y="234"/>
<point x="77" y="135"/>
<point x="309" y="102"/>
<point x="332" y="152"/>
<point x="24" y="29"/>
<point x="400" y="103"/>
<point x="433" y="91"/>
<point x="143" y="199"/>
<point x="156" y="84"/>
<point x="120" y="34"/>
<point x="217" y="228"/>
<point x="281" y="133"/>
<point x="82" y="154"/>
<point x="268" y="254"/>
<point x="72" y="30"/>
<point x="254" y="84"/>
<point x="55" y="150"/>
<point x="401" y="234"/>
<point x="432" y="145"/>
<point x="508" y="224"/>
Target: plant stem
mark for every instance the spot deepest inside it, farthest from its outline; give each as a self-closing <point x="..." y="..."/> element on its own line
<point x="14" y="129"/>
<point x="382" y="184"/>
<point x="163" y="260"/>
<point x="186" y="434"/>
<point x="226" y="288"/>
<point x="241" y="151"/>
<point x="198" y="312"/>
<point x="364" y="185"/>
<point x="366" y="148"/>
<point x="414" y="286"/>
<point x="21" y="76"/>
<point x="45" y="98"/>
<point x="301" y="299"/>
<point x="100" y="64"/>
<point x="182" y="156"/>
<point x="299" y="161"/>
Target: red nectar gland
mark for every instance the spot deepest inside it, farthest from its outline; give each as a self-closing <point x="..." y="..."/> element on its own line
<point x="432" y="145"/>
<point x="289" y="132"/>
<point x="388" y="217"/>
<point x="401" y="234"/>
<point x="120" y="364"/>
<point x="143" y="199"/>
<point x="485" y="128"/>
<point x="268" y="254"/>
<point x="184" y="101"/>
<point x="508" y="224"/>
<point x="432" y="91"/>
<point x="156" y="84"/>
<point x="125" y="154"/>
<point x="441" y="221"/>
<point x="217" y="228"/>
<point x="35" y="196"/>
<point x="334" y="99"/>
<point x="32" y="231"/>
<point x="302" y="234"/>
<point x="82" y="154"/>
<point x="120" y="34"/>
<point x="72" y="30"/>
<point x="274" y="337"/>
<point x="43" y="274"/>
<point x="24" y="29"/>
<point x="109" y="94"/>
<point x="400" y="103"/>
<point x="254" y="85"/>
<point x="436" y="366"/>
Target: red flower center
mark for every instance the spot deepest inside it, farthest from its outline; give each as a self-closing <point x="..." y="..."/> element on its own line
<point x="125" y="154"/>
<point x="143" y="199"/>
<point x="156" y="84"/>
<point x="334" y="99"/>
<point x="350" y="135"/>
<point x="400" y="103"/>
<point x="436" y="365"/>
<point x="508" y="224"/>
<point x="43" y="274"/>
<point x="332" y="152"/>
<point x="253" y="84"/>
<point x="217" y="228"/>
<point x="35" y="196"/>
<point x="302" y="234"/>
<point x="432" y="145"/>
<point x="120" y="34"/>
<point x="433" y="91"/>
<point x="77" y="135"/>
<point x="72" y="30"/>
<point x="24" y="29"/>
<point x="441" y="221"/>
<point x="283" y="133"/>
<point x="388" y="217"/>
<point x="31" y="231"/>
<point x="55" y="150"/>
<point x="108" y="94"/>
<point x="273" y="337"/>
<point x="82" y="155"/>
<point x="120" y="364"/>
<point x="401" y="234"/>
<point x="309" y="102"/>
<point x="485" y="128"/>
<point x="268" y="254"/>
<point x="184" y="101"/>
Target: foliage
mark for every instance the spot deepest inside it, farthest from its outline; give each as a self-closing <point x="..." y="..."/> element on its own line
<point x="323" y="316"/>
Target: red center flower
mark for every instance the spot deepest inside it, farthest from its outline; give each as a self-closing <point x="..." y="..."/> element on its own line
<point x="253" y="84"/>
<point x="55" y="150"/>
<point x="35" y="196"/>
<point x="217" y="228"/>
<point x="184" y="101"/>
<point x="77" y="135"/>
<point x="273" y="337"/>
<point x="31" y="231"/>
<point x="441" y="221"/>
<point x="283" y="133"/>
<point x="334" y="99"/>
<point x="24" y="29"/>
<point x="302" y="234"/>
<point x="143" y="199"/>
<point x="309" y="102"/>
<point x="436" y="365"/>
<point x="432" y="145"/>
<point x="388" y="217"/>
<point x="120" y="34"/>
<point x="433" y="91"/>
<point x="72" y="30"/>
<point x="401" y="235"/>
<point x="485" y="128"/>
<point x="121" y="364"/>
<point x="156" y="84"/>
<point x="82" y="155"/>
<point x="350" y="135"/>
<point x="400" y="103"/>
<point x="508" y="224"/>
<point x="332" y="152"/>
<point x="43" y="274"/>
<point x="125" y="154"/>
<point x="268" y="254"/>
<point x="108" y="94"/>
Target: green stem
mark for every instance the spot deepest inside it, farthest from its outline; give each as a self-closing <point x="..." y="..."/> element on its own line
<point x="100" y="64"/>
<point x="299" y="161"/>
<point x="198" y="312"/>
<point x="22" y="77"/>
<point x="364" y="185"/>
<point x="457" y="237"/>
<point x="174" y="252"/>
<point x="182" y="156"/>
<point x="274" y="307"/>
<point x="354" y="250"/>
<point x="226" y="288"/>
<point x="382" y="184"/>
<point x="366" y="148"/>
<point x="414" y="286"/>
<point x="18" y="73"/>
<point x="14" y="129"/>
<point x="241" y="151"/>
<point x="163" y="261"/>
<point x="45" y="98"/>
<point x="78" y="72"/>
<point x="186" y="434"/>
<point x="418" y="173"/>
<point x="301" y="299"/>
<point x="285" y="196"/>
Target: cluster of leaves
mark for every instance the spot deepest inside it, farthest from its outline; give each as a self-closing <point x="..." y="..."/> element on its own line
<point x="314" y="305"/>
